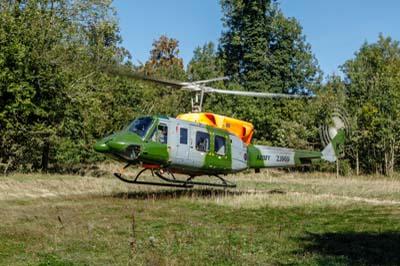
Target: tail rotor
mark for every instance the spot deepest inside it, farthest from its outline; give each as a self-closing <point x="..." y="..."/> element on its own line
<point x="339" y="122"/>
<point x="334" y="134"/>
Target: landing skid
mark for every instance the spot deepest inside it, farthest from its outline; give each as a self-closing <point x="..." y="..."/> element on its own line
<point x="171" y="181"/>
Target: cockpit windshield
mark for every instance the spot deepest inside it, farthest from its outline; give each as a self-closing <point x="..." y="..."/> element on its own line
<point x="141" y="125"/>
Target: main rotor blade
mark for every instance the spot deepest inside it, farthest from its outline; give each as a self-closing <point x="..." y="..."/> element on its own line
<point x="209" y="80"/>
<point x="178" y="84"/>
<point x="255" y="94"/>
<point x="128" y="73"/>
<point x="196" y="85"/>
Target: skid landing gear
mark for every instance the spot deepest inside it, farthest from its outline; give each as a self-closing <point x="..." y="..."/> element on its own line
<point x="171" y="181"/>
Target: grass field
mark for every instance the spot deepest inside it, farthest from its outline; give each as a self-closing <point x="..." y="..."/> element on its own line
<point x="272" y="218"/>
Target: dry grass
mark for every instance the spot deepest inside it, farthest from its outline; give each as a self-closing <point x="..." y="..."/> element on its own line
<point x="31" y="186"/>
<point x="270" y="188"/>
<point x="279" y="199"/>
<point x="369" y="187"/>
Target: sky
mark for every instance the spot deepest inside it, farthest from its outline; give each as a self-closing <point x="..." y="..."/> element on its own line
<point x="335" y="29"/>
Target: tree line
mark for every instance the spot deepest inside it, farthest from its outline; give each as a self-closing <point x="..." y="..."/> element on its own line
<point x="56" y="99"/>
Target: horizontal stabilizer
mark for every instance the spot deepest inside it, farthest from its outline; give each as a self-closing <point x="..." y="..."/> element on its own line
<point x="328" y="154"/>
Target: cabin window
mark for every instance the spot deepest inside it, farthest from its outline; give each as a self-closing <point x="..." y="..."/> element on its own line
<point x="202" y="141"/>
<point x="219" y="145"/>
<point x="161" y="134"/>
<point x="183" y="135"/>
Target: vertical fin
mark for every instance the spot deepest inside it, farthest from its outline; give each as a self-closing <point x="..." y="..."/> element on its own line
<point x="335" y="147"/>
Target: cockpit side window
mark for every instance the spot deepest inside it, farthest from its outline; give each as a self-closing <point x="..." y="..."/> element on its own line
<point x="219" y="145"/>
<point x="161" y="134"/>
<point x="141" y="125"/>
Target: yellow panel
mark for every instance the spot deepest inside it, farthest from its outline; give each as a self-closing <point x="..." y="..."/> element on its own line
<point x="242" y="129"/>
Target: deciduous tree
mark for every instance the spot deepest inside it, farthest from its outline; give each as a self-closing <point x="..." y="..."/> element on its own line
<point x="373" y="82"/>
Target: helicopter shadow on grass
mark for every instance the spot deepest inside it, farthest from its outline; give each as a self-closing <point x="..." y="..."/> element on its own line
<point x="188" y="193"/>
<point x="177" y="193"/>
<point x="355" y="248"/>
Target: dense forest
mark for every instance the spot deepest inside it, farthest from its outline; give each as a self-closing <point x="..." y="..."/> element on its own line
<point x="56" y="99"/>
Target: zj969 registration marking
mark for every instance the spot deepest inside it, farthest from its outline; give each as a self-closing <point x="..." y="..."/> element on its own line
<point x="282" y="158"/>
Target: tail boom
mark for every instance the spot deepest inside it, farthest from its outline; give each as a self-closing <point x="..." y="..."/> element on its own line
<point x="273" y="157"/>
<point x="268" y="157"/>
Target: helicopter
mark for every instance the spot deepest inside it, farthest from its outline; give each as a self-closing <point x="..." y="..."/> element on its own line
<point x="205" y="144"/>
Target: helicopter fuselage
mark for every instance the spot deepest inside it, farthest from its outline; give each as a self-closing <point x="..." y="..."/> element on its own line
<point x="192" y="148"/>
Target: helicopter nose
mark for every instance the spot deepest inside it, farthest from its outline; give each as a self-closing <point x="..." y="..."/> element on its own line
<point x="101" y="146"/>
<point x="109" y="144"/>
<point x="123" y="144"/>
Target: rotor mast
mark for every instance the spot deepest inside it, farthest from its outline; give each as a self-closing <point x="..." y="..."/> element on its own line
<point x="197" y="102"/>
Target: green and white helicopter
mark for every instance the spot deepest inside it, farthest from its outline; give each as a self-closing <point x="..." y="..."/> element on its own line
<point x="205" y="144"/>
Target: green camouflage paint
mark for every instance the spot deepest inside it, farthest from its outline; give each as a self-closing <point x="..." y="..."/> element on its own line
<point x="253" y="157"/>
<point x="216" y="163"/>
